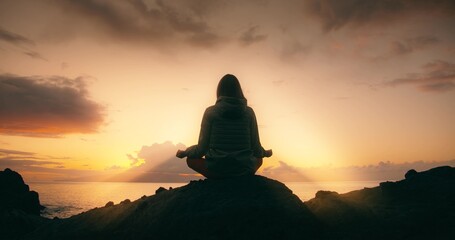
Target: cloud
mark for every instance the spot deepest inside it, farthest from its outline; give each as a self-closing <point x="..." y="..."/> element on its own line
<point x="14" y="38"/>
<point x="335" y="14"/>
<point x="250" y="36"/>
<point x="412" y="44"/>
<point x="157" y="163"/>
<point x="284" y="172"/>
<point x="35" y="55"/>
<point x="157" y="22"/>
<point x="293" y="49"/>
<point x="113" y="167"/>
<point x="14" y="152"/>
<point x="25" y="161"/>
<point x="21" y="164"/>
<point x="21" y="42"/>
<point x="436" y="76"/>
<point x="378" y="172"/>
<point x="47" y="106"/>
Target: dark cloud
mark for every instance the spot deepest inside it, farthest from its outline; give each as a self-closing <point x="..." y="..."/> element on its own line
<point x="412" y="44"/>
<point x="134" y="20"/>
<point x="335" y="14"/>
<point x="35" y="55"/>
<point x="15" y="152"/>
<point x="24" y="161"/>
<point x="21" y="42"/>
<point x="251" y="36"/>
<point x="408" y="46"/>
<point x="437" y="76"/>
<point x="438" y="87"/>
<point x="46" y="106"/>
<point x="15" y="164"/>
<point x="14" y="38"/>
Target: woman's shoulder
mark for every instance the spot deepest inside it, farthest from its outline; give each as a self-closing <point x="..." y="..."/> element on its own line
<point x="249" y="110"/>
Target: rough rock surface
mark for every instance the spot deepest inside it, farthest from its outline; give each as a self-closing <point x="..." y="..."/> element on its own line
<point x="15" y="194"/>
<point x="418" y="207"/>
<point x="19" y="207"/>
<point x="252" y="207"/>
<point x="422" y="206"/>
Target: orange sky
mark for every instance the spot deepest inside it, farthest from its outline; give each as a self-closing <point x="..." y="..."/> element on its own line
<point x="87" y="87"/>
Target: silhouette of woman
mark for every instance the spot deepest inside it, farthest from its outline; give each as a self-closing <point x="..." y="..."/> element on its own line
<point x="229" y="136"/>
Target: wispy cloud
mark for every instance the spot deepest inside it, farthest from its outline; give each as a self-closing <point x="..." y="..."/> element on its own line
<point x="335" y="14"/>
<point x="47" y="106"/>
<point x="157" y="163"/>
<point x="436" y="76"/>
<point x="251" y="36"/>
<point x="14" y="38"/>
<point x="15" y="152"/>
<point x="35" y="55"/>
<point x="374" y="172"/>
<point x="157" y="22"/>
<point x="22" y="43"/>
<point x="412" y="44"/>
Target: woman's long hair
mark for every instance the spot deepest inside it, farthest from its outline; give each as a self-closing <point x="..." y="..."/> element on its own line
<point x="229" y="86"/>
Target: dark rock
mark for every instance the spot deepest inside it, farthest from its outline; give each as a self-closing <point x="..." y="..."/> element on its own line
<point x="16" y="194"/>
<point x="109" y="204"/>
<point x="251" y="207"/>
<point x="326" y="194"/>
<point x="19" y="207"/>
<point x="125" y="201"/>
<point x="420" y="207"/>
<point x="411" y="173"/>
<point x="160" y="189"/>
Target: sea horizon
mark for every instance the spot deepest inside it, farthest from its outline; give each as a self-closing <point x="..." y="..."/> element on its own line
<point x="64" y="199"/>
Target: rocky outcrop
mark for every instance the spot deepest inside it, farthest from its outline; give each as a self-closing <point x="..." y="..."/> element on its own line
<point x="19" y="207"/>
<point x="15" y="194"/>
<point x="252" y="207"/>
<point x="419" y="207"/>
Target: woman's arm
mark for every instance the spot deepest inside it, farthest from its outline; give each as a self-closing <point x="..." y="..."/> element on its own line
<point x="258" y="150"/>
<point x="199" y="150"/>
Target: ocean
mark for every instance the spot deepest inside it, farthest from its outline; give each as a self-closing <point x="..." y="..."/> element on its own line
<point x="65" y="199"/>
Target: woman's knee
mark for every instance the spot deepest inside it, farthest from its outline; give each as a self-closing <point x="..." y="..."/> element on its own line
<point x="195" y="163"/>
<point x="190" y="162"/>
<point x="258" y="162"/>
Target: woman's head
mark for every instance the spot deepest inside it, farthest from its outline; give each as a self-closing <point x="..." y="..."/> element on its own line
<point x="229" y="86"/>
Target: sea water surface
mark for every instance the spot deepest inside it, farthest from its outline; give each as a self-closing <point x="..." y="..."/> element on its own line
<point x="65" y="199"/>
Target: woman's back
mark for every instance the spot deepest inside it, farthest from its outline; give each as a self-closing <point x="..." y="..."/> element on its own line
<point x="229" y="137"/>
<point x="231" y="125"/>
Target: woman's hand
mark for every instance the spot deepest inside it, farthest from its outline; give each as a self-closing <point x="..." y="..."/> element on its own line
<point x="181" y="154"/>
<point x="268" y="153"/>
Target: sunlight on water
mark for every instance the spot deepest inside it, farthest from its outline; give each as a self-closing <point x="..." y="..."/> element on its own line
<point x="64" y="199"/>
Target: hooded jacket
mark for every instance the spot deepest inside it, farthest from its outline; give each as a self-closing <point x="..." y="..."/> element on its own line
<point x="229" y="138"/>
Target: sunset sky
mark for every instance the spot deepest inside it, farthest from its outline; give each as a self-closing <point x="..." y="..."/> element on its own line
<point x="93" y="89"/>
